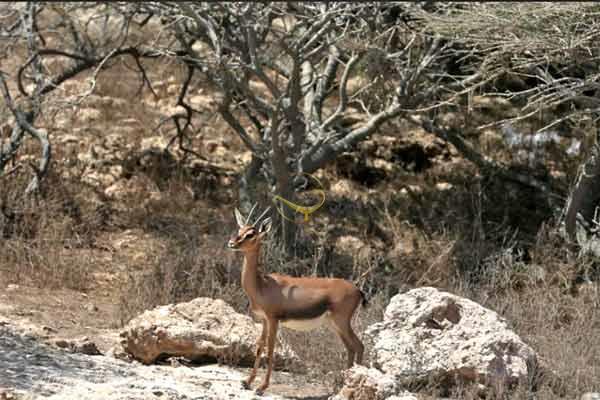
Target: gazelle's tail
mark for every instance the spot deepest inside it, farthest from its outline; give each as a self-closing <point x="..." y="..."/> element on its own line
<point x="364" y="302"/>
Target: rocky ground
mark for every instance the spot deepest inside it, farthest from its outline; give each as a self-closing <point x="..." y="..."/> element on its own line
<point x="33" y="369"/>
<point x="425" y="333"/>
<point x="58" y="345"/>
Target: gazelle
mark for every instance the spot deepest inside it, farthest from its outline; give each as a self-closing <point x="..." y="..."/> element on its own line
<point x="303" y="303"/>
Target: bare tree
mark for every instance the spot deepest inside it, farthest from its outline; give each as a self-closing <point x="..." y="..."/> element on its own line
<point x="293" y="77"/>
<point x="300" y="83"/>
<point x="82" y="37"/>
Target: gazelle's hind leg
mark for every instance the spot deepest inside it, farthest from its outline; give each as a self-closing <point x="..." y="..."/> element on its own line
<point x="359" y="348"/>
<point x="347" y="344"/>
<point x="342" y="326"/>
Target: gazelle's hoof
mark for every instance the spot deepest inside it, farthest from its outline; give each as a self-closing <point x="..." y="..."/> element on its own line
<point x="245" y="385"/>
<point x="259" y="391"/>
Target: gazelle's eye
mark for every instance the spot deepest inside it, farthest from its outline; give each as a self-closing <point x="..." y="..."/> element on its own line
<point x="250" y="235"/>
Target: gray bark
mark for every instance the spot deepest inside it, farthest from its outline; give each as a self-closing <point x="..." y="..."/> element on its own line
<point x="248" y="183"/>
<point x="585" y="197"/>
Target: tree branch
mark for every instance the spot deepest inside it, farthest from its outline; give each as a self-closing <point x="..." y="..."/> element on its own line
<point x="343" y="102"/>
<point x="481" y="161"/>
<point x="235" y="125"/>
<point x="325" y="81"/>
<point x="22" y="121"/>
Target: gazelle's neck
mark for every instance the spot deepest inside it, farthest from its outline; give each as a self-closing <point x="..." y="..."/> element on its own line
<point x="250" y="276"/>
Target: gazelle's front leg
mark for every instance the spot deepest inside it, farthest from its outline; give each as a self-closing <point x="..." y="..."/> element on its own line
<point x="260" y="344"/>
<point x="272" y="324"/>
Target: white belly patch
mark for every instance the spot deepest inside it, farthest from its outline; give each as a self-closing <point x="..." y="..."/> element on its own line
<point x="259" y="314"/>
<point x="306" y="324"/>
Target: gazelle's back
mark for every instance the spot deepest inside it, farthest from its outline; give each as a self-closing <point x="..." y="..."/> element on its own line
<point x="336" y="289"/>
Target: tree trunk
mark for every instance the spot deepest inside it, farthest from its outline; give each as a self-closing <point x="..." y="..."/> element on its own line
<point x="585" y="195"/>
<point x="247" y="185"/>
<point x="283" y="188"/>
<point x="287" y="231"/>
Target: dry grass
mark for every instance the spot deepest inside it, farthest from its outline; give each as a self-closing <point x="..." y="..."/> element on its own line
<point x="45" y="240"/>
<point x="467" y="249"/>
<point x="463" y="240"/>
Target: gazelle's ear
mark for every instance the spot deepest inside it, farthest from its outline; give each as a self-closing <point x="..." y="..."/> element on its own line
<point x="238" y="217"/>
<point x="265" y="226"/>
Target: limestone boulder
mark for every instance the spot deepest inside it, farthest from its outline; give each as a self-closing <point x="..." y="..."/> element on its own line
<point x="363" y="383"/>
<point x="88" y="115"/>
<point x="81" y="345"/>
<point x="431" y="336"/>
<point x="591" y="396"/>
<point x="202" y="330"/>
<point x="345" y="188"/>
<point x="352" y="246"/>
<point x="139" y="187"/>
<point x="428" y="334"/>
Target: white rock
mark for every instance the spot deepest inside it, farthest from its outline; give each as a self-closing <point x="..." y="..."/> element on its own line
<point x="98" y="179"/>
<point x="591" y="396"/>
<point x="443" y="186"/>
<point x="362" y="383"/>
<point x="428" y="334"/>
<point x="138" y="186"/>
<point x="67" y="138"/>
<point x="202" y="329"/>
<point x="349" y="244"/>
<point x="153" y="142"/>
<point x="344" y="187"/>
<point x="89" y="114"/>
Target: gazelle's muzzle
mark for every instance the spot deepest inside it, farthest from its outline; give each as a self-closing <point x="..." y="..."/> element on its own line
<point x="232" y="244"/>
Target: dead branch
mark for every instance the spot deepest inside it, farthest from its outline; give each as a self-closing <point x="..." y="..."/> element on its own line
<point x="481" y="161"/>
<point x="22" y="120"/>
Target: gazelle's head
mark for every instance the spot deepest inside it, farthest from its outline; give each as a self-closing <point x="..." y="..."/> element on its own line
<point x="249" y="236"/>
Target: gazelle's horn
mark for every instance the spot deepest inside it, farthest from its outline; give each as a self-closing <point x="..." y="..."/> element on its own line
<point x="250" y="214"/>
<point x="262" y="215"/>
<point x="239" y="218"/>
